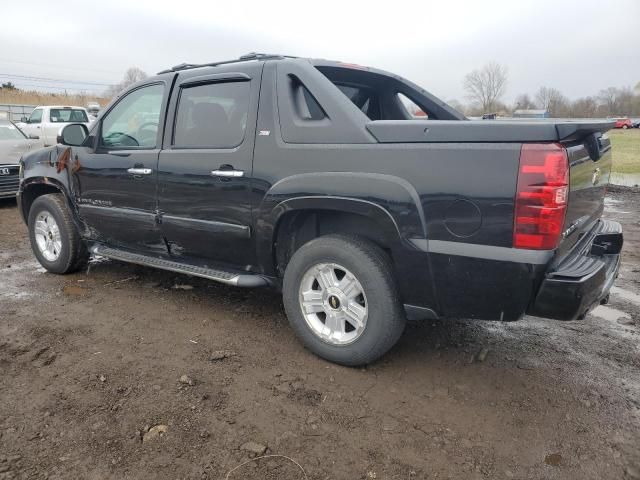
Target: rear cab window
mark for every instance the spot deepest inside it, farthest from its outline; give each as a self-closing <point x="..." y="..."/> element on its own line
<point x="65" y="115"/>
<point x="384" y="96"/>
<point x="363" y="97"/>
<point x="411" y="107"/>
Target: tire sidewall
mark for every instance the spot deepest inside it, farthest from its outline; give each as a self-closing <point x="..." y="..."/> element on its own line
<point x="41" y="205"/>
<point x="380" y="293"/>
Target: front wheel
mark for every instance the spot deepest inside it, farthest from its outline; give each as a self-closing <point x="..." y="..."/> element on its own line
<point x="55" y="240"/>
<point x="341" y="299"/>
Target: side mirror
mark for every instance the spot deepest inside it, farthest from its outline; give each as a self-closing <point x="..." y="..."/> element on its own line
<point x="73" y="134"/>
<point x="33" y="136"/>
<point x="24" y="119"/>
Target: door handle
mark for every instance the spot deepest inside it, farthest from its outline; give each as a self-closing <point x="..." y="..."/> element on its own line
<point x="228" y="173"/>
<point x="140" y="171"/>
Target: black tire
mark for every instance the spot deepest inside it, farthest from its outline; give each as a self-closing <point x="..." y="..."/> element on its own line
<point x="372" y="267"/>
<point x="73" y="253"/>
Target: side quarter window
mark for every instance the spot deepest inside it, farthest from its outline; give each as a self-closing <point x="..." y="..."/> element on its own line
<point x="212" y="115"/>
<point x="135" y="119"/>
<point x="36" y="116"/>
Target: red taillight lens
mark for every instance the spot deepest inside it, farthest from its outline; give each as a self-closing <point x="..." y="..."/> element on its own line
<point x="541" y="196"/>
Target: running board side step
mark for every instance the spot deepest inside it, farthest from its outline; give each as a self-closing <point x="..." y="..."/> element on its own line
<point x="222" y="276"/>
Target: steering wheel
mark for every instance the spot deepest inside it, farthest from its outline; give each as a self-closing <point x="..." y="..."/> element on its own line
<point x="122" y="139"/>
<point x="141" y="131"/>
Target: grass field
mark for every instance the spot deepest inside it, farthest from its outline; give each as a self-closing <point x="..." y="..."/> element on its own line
<point x="626" y="150"/>
<point x="22" y="97"/>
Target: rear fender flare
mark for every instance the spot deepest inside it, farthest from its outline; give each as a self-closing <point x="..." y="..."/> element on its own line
<point x="391" y="202"/>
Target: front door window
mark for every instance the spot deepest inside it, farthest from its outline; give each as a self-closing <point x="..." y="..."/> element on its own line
<point x="36" y="116"/>
<point x="134" y="121"/>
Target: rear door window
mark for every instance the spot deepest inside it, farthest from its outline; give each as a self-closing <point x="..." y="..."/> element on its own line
<point x="213" y="115"/>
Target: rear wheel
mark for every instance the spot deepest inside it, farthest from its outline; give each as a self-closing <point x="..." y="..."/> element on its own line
<point x="341" y="299"/>
<point x="55" y="240"/>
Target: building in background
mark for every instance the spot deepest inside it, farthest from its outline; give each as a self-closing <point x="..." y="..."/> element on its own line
<point x="531" y="114"/>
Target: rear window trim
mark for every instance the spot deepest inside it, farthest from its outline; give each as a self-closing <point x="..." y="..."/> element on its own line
<point x="226" y="77"/>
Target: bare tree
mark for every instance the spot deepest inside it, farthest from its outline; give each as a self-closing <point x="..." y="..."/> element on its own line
<point x="457" y="105"/>
<point x="524" y="102"/>
<point x="487" y="85"/>
<point x="131" y="76"/>
<point x="607" y="99"/>
<point x="625" y="101"/>
<point x="618" y="101"/>
<point x="553" y="101"/>
<point x="584" y="108"/>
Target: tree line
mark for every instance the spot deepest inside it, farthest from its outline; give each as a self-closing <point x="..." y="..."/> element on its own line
<point x="485" y="88"/>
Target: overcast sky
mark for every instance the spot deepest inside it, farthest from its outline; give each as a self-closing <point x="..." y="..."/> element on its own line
<point x="576" y="46"/>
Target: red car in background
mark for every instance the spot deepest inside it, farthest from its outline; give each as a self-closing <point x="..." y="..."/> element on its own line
<point x="623" y="122"/>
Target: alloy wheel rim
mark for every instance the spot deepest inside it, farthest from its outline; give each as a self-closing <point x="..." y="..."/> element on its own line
<point x="333" y="303"/>
<point x="48" y="238"/>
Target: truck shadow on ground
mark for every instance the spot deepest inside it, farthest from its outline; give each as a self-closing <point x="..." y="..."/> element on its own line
<point x="8" y="203"/>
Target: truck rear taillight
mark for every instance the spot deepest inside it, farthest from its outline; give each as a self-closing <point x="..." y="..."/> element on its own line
<point x="541" y="196"/>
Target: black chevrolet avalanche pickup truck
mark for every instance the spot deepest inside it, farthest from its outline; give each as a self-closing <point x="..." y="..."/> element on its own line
<point x="365" y="199"/>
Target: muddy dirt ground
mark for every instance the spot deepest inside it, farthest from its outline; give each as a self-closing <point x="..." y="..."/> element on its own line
<point x="90" y="363"/>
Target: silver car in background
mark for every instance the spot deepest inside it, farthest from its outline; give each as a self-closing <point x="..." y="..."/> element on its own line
<point x="13" y="143"/>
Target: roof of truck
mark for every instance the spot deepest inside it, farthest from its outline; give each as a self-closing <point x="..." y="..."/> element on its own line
<point x="243" y="58"/>
<point x="265" y="57"/>
<point x="59" y="106"/>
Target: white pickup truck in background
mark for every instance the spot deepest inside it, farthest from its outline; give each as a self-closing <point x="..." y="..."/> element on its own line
<point x="45" y="122"/>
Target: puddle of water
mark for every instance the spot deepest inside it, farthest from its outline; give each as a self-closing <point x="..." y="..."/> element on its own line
<point x="626" y="294"/>
<point x="12" y="280"/>
<point x="610" y="205"/>
<point x="615" y="210"/>
<point x="608" y="313"/>
<point x="625" y="179"/>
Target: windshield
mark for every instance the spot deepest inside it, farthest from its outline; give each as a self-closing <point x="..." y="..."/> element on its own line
<point x="59" y="115"/>
<point x="10" y="132"/>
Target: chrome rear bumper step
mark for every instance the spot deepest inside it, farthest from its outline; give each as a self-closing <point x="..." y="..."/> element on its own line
<point x="222" y="276"/>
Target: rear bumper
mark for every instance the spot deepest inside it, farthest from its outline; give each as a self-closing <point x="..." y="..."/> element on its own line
<point x="583" y="278"/>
